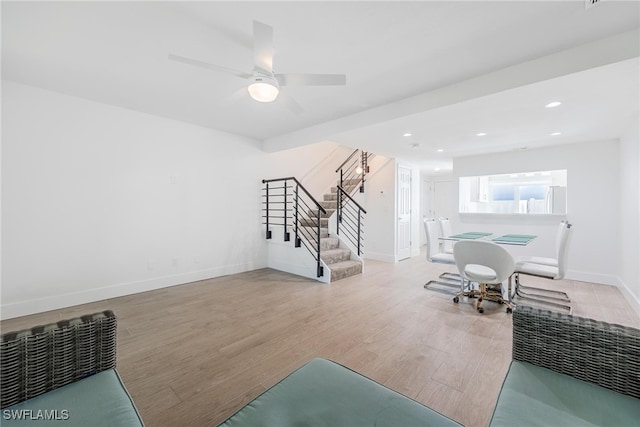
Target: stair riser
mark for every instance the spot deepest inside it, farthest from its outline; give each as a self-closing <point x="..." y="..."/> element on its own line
<point x="329" y="243"/>
<point x="333" y="258"/>
<point x="339" y="274"/>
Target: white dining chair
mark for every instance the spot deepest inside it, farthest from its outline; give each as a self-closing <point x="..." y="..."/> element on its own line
<point x="549" y="268"/>
<point x="433" y="244"/>
<point x="435" y="255"/>
<point x="485" y="263"/>
<point x="446" y="230"/>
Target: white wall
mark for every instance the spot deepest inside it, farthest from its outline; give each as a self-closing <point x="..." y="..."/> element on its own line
<point x="417" y="227"/>
<point x="629" y="218"/>
<point x="380" y="221"/>
<point x="98" y="201"/>
<point x="593" y="202"/>
<point x="314" y="165"/>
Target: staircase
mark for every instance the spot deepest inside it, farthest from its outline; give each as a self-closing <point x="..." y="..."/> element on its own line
<point x="338" y="259"/>
<point x="305" y="220"/>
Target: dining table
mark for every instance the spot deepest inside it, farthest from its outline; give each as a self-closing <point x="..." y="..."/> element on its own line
<point x="505" y="239"/>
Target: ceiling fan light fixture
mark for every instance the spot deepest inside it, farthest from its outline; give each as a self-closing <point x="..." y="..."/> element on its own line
<point x="263" y="89"/>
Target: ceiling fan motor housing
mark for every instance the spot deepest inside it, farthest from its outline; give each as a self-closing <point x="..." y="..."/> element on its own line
<point x="263" y="88"/>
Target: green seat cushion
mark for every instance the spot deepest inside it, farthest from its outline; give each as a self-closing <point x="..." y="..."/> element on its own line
<point x="324" y="393"/>
<point x="536" y="396"/>
<point x="96" y="401"/>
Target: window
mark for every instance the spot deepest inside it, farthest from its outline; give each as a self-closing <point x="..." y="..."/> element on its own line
<point x="543" y="192"/>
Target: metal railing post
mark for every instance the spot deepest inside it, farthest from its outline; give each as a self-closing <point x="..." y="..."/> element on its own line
<point x="319" y="272"/>
<point x="359" y="214"/>
<point x="268" y="233"/>
<point x="287" y="235"/>
<point x="296" y="222"/>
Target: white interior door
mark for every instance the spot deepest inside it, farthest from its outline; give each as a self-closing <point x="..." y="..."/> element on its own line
<point x="404" y="213"/>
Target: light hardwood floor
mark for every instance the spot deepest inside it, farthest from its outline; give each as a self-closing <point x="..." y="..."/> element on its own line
<point x="192" y="355"/>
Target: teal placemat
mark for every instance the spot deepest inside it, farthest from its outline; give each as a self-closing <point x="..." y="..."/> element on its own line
<point x="470" y="235"/>
<point x="515" y="238"/>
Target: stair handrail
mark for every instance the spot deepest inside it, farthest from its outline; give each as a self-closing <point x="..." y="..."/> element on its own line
<point x="309" y="238"/>
<point x="293" y="178"/>
<point x="350" y="171"/>
<point x="347" y="159"/>
<point x="352" y="199"/>
<point x="341" y="192"/>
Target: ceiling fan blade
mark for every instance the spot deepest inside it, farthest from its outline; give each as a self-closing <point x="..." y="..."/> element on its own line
<point x="208" y="66"/>
<point x="263" y="47"/>
<point x="311" y="79"/>
<point x="290" y="103"/>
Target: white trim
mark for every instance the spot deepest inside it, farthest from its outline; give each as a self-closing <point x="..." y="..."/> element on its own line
<point x="54" y="302"/>
<point x="602" y="279"/>
<point x="379" y="257"/>
<point x="633" y="300"/>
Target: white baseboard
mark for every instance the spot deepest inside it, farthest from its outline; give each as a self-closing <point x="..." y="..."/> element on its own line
<point x="603" y="279"/>
<point x="379" y="257"/>
<point x="633" y="300"/>
<point x="54" y="302"/>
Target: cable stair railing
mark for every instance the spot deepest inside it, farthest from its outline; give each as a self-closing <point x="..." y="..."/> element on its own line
<point x="349" y="213"/>
<point x="349" y="219"/>
<point x="287" y="203"/>
<point x="354" y="170"/>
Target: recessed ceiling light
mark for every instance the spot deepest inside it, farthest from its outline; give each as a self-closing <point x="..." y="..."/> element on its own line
<point x="481" y="134"/>
<point x="439" y="150"/>
<point x="553" y="104"/>
<point x="556" y="133"/>
<point x="436" y="169"/>
<point x="406" y="134"/>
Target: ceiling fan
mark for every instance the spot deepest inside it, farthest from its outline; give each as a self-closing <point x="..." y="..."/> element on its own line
<point x="263" y="84"/>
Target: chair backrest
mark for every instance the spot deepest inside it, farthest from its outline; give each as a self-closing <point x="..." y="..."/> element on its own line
<point x="487" y="254"/>
<point x="430" y="228"/>
<point x="562" y="246"/>
<point x="446" y="230"/>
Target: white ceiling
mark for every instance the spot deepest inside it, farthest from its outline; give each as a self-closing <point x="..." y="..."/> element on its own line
<point x="442" y="70"/>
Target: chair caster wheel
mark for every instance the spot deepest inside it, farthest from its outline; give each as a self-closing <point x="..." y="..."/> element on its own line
<point x="500" y="302"/>
<point x="456" y="300"/>
<point x="480" y="309"/>
<point x="509" y="310"/>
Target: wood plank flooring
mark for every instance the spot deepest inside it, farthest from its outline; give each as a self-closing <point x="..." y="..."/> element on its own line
<point x="192" y="355"/>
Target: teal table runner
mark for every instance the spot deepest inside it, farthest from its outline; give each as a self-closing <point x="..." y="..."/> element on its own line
<point x="520" y="239"/>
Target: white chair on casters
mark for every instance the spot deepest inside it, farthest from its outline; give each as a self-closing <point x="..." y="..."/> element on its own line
<point x="487" y="264"/>
<point x="550" y="268"/>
